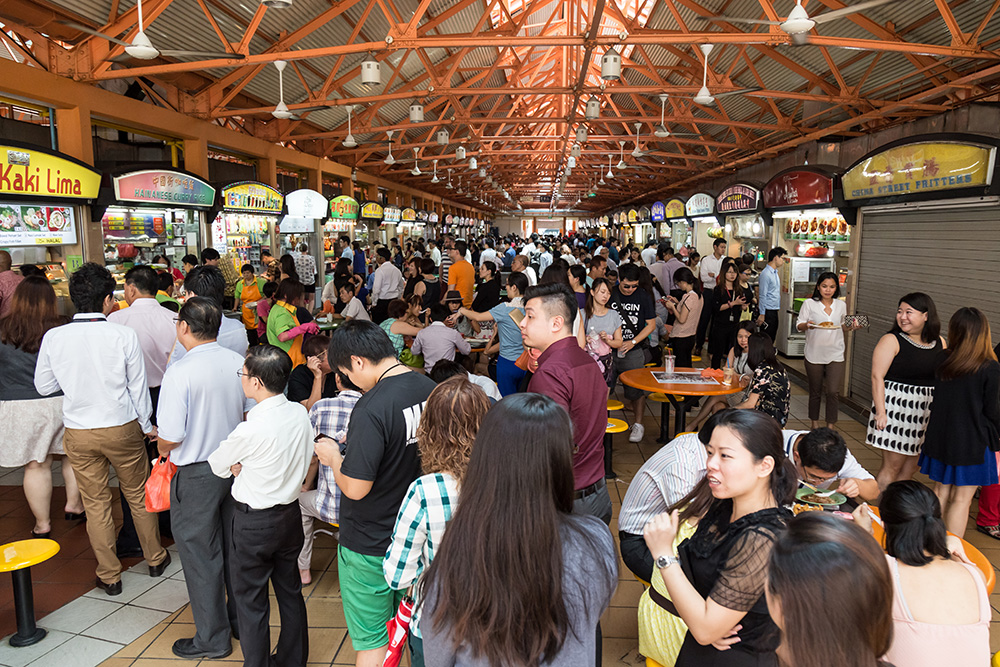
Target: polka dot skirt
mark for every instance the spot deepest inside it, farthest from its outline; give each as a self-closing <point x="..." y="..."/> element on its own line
<point x="907" y="410"/>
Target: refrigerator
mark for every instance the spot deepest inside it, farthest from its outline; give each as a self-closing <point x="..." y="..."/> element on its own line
<point x="798" y="280"/>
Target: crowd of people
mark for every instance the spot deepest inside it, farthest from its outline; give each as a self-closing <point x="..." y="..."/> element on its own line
<point x="478" y="486"/>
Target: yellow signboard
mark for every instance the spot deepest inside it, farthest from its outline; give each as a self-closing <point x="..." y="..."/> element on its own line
<point x="921" y="167"/>
<point x="674" y="209"/>
<point x="27" y="172"/>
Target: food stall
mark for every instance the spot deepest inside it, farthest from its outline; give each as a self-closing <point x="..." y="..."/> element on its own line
<point x="343" y="213"/>
<point x="705" y="227"/>
<point x="156" y="211"/>
<point x="250" y="212"/>
<point x="370" y="218"/>
<point x="408" y="229"/>
<point x="744" y="220"/>
<point x="42" y="199"/>
<point x="391" y="217"/>
<point x="676" y="228"/>
<point x="305" y="211"/>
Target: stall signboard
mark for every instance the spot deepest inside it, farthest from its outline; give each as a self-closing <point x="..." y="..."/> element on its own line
<point x="657" y="211"/>
<point x="605" y="221"/>
<point x="306" y="203"/>
<point x="27" y="172"/>
<point x="131" y="223"/>
<point x="422" y="216"/>
<point x="633" y="215"/>
<point x="33" y="224"/>
<point x="391" y="214"/>
<point x="159" y="186"/>
<point x="344" y="208"/>
<point x="292" y="224"/>
<point x="737" y="198"/>
<point x="408" y="215"/>
<point x="700" y="204"/>
<point x="799" y="189"/>
<point x="251" y="197"/>
<point x="371" y="211"/>
<point x="920" y="167"/>
<point x="644" y="214"/>
<point x="433" y="217"/>
<point x="449" y="218"/>
<point x="674" y="209"/>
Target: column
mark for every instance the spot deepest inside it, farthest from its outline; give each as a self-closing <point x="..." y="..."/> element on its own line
<point x="73" y="132"/>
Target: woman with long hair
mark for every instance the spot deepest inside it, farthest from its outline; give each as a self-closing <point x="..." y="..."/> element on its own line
<point x="448" y="427"/>
<point x="823" y="559"/>
<point x="602" y="328"/>
<point x="686" y="312"/>
<point x="738" y="360"/>
<point x="822" y="318"/>
<point x="717" y="584"/>
<point x="769" y="391"/>
<point x="727" y="308"/>
<point x="577" y="276"/>
<point x="941" y="611"/>
<point x="286" y="266"/>
<point x="519" y="579"/>
<point x="429" y="287"/>
<point x="904" y="368"/>
<point x="963" y="433"/>
<point x="32" y="424"/>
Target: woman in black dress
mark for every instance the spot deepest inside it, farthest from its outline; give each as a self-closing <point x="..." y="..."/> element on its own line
<point x="488" y="289"/>
<point x="718" y="582"/>
<point x="429" y="288"/>
<point x="726" y="311"/>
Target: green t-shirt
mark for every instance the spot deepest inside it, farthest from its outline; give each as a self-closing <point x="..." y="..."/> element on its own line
<point x="279" y="320"/>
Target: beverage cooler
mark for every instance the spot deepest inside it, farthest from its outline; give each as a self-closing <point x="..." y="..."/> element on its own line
<point x="798" y="280"/>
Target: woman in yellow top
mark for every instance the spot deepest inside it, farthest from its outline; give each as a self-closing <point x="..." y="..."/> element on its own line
<point x="283" y="328"/>
<point x="249" y="291"/>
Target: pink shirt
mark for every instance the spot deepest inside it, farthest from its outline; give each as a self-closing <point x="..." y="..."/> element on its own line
<point x="263" y="308"/>
<point x="916" y="644"/>
<point x="8" y="283"/>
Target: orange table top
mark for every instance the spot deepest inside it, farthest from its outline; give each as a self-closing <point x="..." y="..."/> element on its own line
<point x="642" y="378"/>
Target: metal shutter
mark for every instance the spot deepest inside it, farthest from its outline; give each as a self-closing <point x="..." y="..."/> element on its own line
<point x="950" y="252"/>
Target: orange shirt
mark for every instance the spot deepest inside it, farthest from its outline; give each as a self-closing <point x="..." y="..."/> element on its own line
<point x="462" y="276"/>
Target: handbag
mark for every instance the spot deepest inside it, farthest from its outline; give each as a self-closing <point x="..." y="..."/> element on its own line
<point x="158" y="485"/>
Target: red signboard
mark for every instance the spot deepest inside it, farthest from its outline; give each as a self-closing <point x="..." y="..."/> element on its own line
<point x="737" y="198"/>
<point x="798" y="188"/>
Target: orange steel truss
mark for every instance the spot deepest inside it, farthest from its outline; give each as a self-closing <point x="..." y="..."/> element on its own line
<point x="510" y="81"/>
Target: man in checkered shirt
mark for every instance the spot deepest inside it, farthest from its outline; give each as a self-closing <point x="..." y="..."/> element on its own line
<point x="329" y="417"/>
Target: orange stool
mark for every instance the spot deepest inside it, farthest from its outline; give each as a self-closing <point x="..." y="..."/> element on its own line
<point x="18" y="557"/>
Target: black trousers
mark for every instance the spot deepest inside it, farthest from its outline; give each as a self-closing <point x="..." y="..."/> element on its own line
<point x="265" y="548"/>
<point x="380" y="311"/>
<point x="635" y="555"/>
<point x="128" y="540"/>
<point x="705" y="321"/>
<point x="771" y="324"/>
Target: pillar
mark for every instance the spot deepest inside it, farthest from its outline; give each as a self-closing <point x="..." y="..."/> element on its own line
<point x="75" y="137"/>
<point x="196" y="157"/>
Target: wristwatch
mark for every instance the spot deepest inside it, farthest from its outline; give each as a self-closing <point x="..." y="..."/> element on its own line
<point x="666" y="561"/>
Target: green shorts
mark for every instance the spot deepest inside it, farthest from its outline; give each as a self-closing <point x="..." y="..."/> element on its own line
<point x="369" y="603"/>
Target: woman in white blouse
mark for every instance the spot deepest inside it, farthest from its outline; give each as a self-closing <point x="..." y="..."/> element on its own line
<point x="822" y="319"/>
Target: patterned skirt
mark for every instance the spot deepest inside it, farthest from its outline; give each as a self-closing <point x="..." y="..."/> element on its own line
<point x="30" y="430"/>
<point x="907" y="411"/>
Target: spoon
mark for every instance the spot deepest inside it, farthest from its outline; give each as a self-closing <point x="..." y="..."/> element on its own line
<point x="817" y="492"/>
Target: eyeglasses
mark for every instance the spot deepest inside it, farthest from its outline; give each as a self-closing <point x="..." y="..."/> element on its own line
<point x="628" y="285"/>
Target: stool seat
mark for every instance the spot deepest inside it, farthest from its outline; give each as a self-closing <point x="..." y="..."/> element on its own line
<point x="658" y="398"/>
<point x="25" y="553"/>
<point x="695" y="357"/>
<point x="641" y="580"/>
<point x="616" y="426"/>
<point x="615" y="405"/>
<point x="651" y="364"/>
<point x="652" y="663"/>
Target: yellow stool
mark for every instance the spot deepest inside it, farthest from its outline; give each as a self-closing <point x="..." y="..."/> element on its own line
<point x="18" y="557"/>
<point x="614" y="404"/>
<point x="652" y="663"/>
<point x="695" y="357"/>
<point x="995" y="662"/>
<point x="616" y="426"/>
<point x="651" y="365"/>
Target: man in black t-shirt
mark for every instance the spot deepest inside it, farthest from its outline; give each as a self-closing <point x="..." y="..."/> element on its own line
<point x="380" y="464"/>
<point x="638" y="313"/>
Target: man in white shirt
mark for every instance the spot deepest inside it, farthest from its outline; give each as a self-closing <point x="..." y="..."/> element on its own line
<point x="648" y="253"/>
<point x="489" y="255"/>
<point x="202" y="401"/>
<point x="822" y="460"/>
<point x="709" y="273"/>
<point x="106" y="409"/>
<point x="388" y="285"/>
<point x="269" y="454"/>
<point x="520" y="265"/>
<point x="529" y="248"/>
<point x="435" y="252"/>
<point x="208" y="281"/>
<point x="154" y="325"/>
<point x="545" y="259"/>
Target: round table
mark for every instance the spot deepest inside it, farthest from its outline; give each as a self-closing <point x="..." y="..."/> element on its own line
<point x="328" y="326"/>
<point x="642" y="378"/>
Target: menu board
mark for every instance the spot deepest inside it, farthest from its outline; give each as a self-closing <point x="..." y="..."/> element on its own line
<point x="120" y="223"/>
<point x="32" y="224"/>
<point x="819" y="225"/>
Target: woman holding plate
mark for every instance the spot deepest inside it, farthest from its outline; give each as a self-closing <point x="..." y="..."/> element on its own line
<point x="822" y="318"/>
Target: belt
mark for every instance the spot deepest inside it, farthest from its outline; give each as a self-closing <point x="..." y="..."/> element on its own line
<point x="662" y="601"/>
<point x="246" y="509"/>
<point x="579" y="494"/>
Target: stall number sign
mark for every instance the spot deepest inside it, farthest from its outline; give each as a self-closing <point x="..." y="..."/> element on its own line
<point x="32" y="173"/>
<point x="922" y="167"/>
<point x="254" y="197"/>
<point x="737" y="198"/>
<point x="31" y="224"/>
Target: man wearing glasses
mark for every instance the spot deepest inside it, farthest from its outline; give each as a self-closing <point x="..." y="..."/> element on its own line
<point x="822" y="460"/>
<point x="638" y="321"/>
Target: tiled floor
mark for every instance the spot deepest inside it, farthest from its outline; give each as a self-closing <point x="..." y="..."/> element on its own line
<point x="139" y="628"/>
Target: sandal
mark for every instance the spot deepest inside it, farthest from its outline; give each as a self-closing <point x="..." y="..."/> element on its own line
<point x="992" y="531"/>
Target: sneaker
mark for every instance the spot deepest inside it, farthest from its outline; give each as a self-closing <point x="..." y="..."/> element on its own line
<point x="638" y="430"/>
<point x="992" y="531"/>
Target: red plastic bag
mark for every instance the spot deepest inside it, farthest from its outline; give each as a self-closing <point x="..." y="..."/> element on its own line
<point x="399" y="628"/>
<point x="158" y="485"/>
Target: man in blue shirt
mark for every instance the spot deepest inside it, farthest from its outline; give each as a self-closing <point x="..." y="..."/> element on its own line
<point x="770" y="291"/>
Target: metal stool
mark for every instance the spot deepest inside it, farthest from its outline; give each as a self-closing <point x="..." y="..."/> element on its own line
<point x="664" y="401"/>
<point x="18" y="557"/>
<point x="614" y="426"/>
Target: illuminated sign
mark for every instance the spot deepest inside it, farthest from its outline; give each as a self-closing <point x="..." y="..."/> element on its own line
<point x="158" y="186"/>
<point x="657" y="211"/>
<point x="737" y="198"/>
<point x="252" y="197"/>
<point x="306" y="204"/>
<point x="28" y="172"/>
<point x="371" y="211"/>
<point x="920" y="167"/>
<point x="31" y="224"/>
<point x="700" y="204"/>
<point x="344" y="208"/>
<point x="674" y="209"/>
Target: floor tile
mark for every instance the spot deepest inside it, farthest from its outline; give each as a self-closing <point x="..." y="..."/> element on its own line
<point x="18" y="657"/>
<point x="80" y="614"/>
<point x="133" y="585"/>
<point x="79" y="652"/>
<point x="126" y="625"/>
<point x="168" y="595"/>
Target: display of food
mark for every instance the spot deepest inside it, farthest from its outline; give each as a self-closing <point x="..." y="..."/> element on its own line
<point x="817" y="228"/>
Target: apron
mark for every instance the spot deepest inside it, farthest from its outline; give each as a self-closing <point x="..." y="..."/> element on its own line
<point x="251" y="293"/>
<point x="295" y="351"/>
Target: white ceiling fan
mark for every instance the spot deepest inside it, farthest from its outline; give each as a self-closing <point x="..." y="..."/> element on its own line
<point x="349" y="141"/>
<point x="281" y="111"/>
<point x="636" y="153"/>
<point x="798" y="23"/>
<point x="610" y="173"/>
<point x="661" y="130"/>
<point x="621" y="157"/>
<point x="449" y="186"/>
<point x="142" y="48"/>
<point x="435" y="179"/>
<point x="416" y="167"/>
<point x="704" y="97"/>
<point x="388" y="158"/>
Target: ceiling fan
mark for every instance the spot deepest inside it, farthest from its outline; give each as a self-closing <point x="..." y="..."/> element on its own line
<point x="142" y="49"/>
<point x="389" y="159"/>
<point x="704" y="97"/>
<point x="661" y="130"/>
<point x="610" y="173"/>
<point x="416" y="168"/>
<point x="798" y="22"/>
<point x="435" y="179"/>
<point x="281" y="111"/>
<point x="349" y="141"/>
<point x="621" y="157"/>
<point x="449" y="186"/>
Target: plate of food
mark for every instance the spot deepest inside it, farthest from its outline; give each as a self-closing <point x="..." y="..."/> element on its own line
<point x="825" y="325"/>
<point x="799" y="508"/>
<point x="809" y="496"/>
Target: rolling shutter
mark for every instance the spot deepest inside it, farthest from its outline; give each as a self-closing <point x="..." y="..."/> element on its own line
<point x="951" y="252"/>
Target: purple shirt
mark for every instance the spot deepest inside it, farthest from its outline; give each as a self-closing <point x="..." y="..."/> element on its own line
<point x="8" y="283"/>
<point x="570" y="377"/>
<point x="438" y="342"/>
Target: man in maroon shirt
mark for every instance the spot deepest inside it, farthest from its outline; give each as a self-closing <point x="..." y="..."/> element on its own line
<point x="572" y="378"/>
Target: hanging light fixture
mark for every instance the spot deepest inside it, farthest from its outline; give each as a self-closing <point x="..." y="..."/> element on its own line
<point x="442" y="137"/>
<point x="571" y="162"/>
<point x="611" y="65"/>
<point x="581" y="132"/>
<point x="593" y="111"/>
<point x="371" y="71"/>
<point x="576" y="150"/>
<point x="460" y="153"/>
<point x="482" y="172"/>
<point x="416" y="113"/>
<point x="473" y="163"/>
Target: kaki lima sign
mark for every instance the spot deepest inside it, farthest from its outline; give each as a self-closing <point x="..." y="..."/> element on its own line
<point x="27" y="172"/>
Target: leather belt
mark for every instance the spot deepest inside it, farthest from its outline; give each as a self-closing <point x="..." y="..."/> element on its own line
<point x="579" y="494"/>
<point x="661" y="601"/>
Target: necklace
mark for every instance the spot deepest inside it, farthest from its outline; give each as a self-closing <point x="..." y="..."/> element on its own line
<point x="386" y="371"/>
<point x="921" y="346"/>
